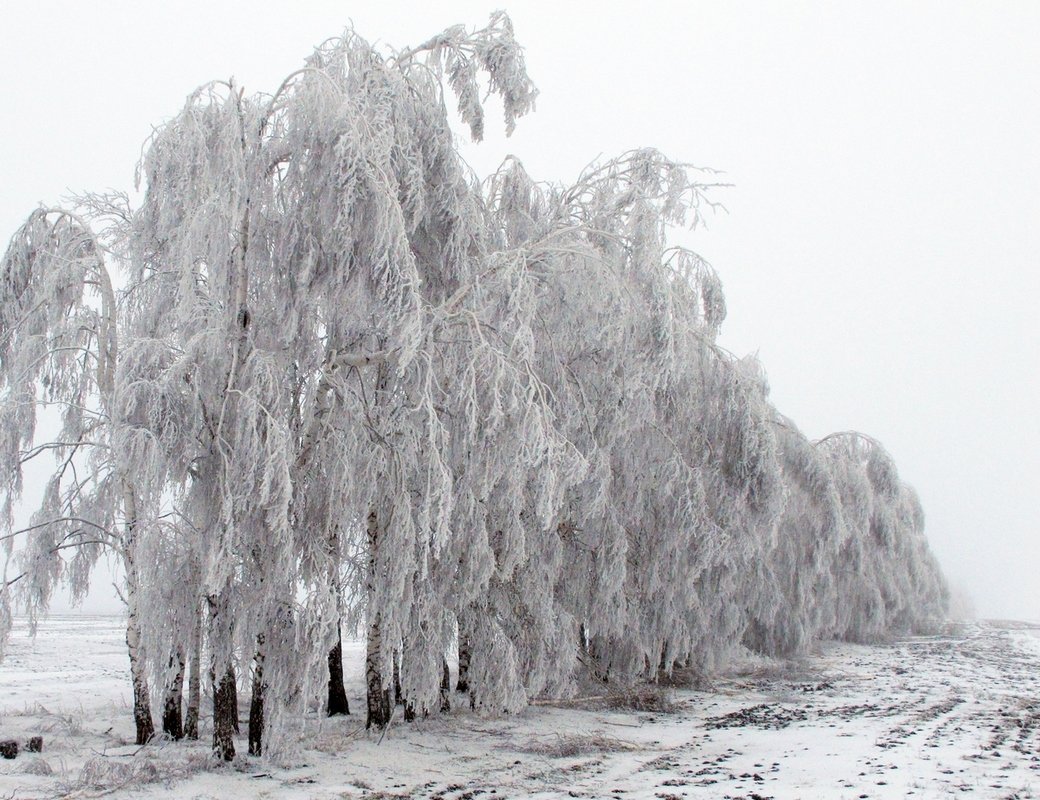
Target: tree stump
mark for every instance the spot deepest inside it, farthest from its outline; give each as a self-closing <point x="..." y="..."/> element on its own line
<point x="9" y="748"/>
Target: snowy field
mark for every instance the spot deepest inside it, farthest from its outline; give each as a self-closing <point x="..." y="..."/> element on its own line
<point x="931" y="717"/>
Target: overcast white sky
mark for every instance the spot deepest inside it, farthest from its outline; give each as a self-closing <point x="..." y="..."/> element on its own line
<point x="881" y="247"/>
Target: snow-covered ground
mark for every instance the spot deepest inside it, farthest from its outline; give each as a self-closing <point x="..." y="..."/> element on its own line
<point x="928" y="717"/>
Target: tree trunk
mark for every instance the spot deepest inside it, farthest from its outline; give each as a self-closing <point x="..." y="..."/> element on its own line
<point x="337" y="701"/>
<point x="191" y="723"/>
<point x="379" y="706"/>
<point x="256" y="703"/>
<point x="337" y="693"/>
<point x="462" y="684"/>
<point x="664" y="665"/>
<point x="225" y="708"/>
<point x="172" y="723"/>
<point x="445" y="687"/>
<point x="234" y="705"/>
<point x="142" y="703"/>
<point x="224" y="714"/>
<point x="398" y="697"/>
<point x="598" y="661"/>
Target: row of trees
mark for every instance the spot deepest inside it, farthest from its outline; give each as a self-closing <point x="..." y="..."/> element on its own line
<point x="321" y="377"/>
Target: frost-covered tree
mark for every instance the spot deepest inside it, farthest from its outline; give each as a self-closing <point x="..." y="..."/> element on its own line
<point x="343" y="383"/>
<point x="598" y="250"/>
<point x="848" y="559"/>
<point x="744" y="494"/>
<point x="796" y="601"/>
<point x="60" y="327"/>
<point x="887" y="580"/>
<point x="626" y="346"/>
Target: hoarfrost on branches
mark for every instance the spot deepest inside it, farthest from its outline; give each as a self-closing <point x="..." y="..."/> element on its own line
<point x="343" y="383"/>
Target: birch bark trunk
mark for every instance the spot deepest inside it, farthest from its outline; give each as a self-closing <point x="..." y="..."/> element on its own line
<point x="173" y="721"/>
<point x="256" y="703"/>
<point x="191" y="725"/>
<point x="224" y="713"/>
<point x="142" y="703"/>
<point x="379" y="704"/>
<point x="225" y="710"/>
<point x="445" y="687"/>
<point x="462" y="684"/>
<point x="337" y="703"/>
<point x="145" y="729"/>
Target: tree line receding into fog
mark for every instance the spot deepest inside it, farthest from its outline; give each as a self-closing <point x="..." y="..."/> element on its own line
<point x="321" y="379"/>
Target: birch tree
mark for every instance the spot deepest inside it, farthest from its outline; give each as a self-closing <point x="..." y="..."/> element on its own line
<point x="797" y="600"/>
<point x="60" y="348"/>
<point x="626" y="326"/>
<point x="888" y="582"/>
